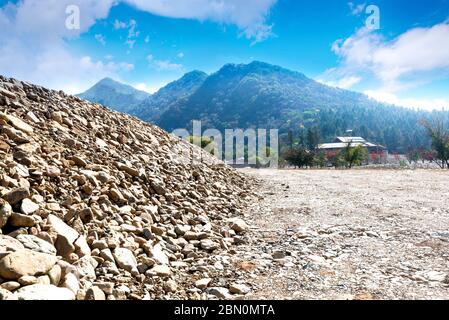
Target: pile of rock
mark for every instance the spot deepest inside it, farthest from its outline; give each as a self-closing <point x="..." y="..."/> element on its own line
<point x="96" y="204"/>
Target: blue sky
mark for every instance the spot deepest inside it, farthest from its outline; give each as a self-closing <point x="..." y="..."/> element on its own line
<point x="150" y="43"/>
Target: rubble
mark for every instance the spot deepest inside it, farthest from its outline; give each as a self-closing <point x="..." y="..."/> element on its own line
<point x="97" y="205"/>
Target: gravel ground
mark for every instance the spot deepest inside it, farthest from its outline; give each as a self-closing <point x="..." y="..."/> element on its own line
<point x="359" y="234"/>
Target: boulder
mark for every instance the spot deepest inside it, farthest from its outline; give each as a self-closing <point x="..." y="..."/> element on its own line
<point x="25" y="263"/>
<point x="44" y="292"/>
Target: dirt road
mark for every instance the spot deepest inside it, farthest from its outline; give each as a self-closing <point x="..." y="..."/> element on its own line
<point x="359" y="234"/>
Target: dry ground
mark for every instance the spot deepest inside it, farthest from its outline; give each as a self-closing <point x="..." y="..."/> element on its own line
<point x="352" y="234"/>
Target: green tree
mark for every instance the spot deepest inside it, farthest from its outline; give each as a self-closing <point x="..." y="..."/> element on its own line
<point x="299" y="157"/>
<point x="354" y="155"/>
<point x="439" y="134"/>
<point x="313" y="138"/>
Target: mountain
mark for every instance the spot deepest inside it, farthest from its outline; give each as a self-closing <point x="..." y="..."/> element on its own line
<point x="118" y="96"/>
<point x="155" y="105"/>
<point x="260" y="95"/>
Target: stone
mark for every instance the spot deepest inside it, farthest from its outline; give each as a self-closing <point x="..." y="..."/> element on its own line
<point x="55" y="275"/>
<point x="25" y="263"/>
<point x="95" y="293"/>
<point x="125" y="259"/>
<point x="27" y="280"/>
<point x="61" y="228"/>
<point x="9" y="244"/>
<point x="81" y="247"/>
<point x="10" y="285"/>
<point x="28" y="207"/>
<point x="219" y="292"/>
<point x="44" y="292"/>
<point x="71" y="282"/>
<point x="52" y="172"/>
<point x="238" y="225"/>
<point x="80" y="162"/>
<point x="5" y="212"/>
<point x="159" y="255"/>
<point x="161" y="270"/>
<point x="63" y="246"/>
<point x="106" y="287"/>
<point x="7" y="295"/>
<point x="170" y="286"/>
<point x="208" y="244"/>
<point x="17" y="195"/>
<point x="203" y="283"/>
<point x="36" y="244"/>
<point x="86" y="267"/>
<point x="19" y="124"/>
<point x="239" y="288"/>
<point x="19" y="220"/>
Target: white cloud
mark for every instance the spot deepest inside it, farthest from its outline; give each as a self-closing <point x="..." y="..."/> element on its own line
<point x="34" y="46"/>
<point x="249" y="16"/>
<point x="101" y="39"/>
<point x="356" y="9"/>
<point x="391" y="98"/>
<point x="180" y="55"/>
<point x="166" y="65"/>
<point x="149" y="88"/>
<point x="120" y="25"/>
<point x="416" y="54"/>
<point x="147" y="39"/>
<point x="343" y="83"/>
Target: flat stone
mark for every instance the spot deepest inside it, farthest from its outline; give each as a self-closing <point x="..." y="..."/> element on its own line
<point x="17" y="195"/>
<point x="219" y="292"/>
<point x="239" y="288"/>
<point x="203" y="283"/>
<point x="44" y="292"/>
<point x="7" y="295"/>
<point x="10" y="285"/>
<point x="25" y="263"/>
<point x="36" y="244"/>
<point x="238" y="225"/>
<point x="208" y="244"/>
<point x="28" y="207"/>
<point x="161" y="270"/>
<point x="125" y="259"/>
<point x="159" y="255"/>
<point x="62" y="228"/>
<point x="27" y="280"/>
<point x="86" y="267"/>
<point x="19" y="124"/>
<point x="19" y="220"/>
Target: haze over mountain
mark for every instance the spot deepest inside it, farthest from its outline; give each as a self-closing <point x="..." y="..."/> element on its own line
<point x="260" y="95"/>
<point x="118" y="96"/>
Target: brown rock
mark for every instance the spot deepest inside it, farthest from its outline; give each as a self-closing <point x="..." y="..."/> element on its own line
<point x="25" y="263"/>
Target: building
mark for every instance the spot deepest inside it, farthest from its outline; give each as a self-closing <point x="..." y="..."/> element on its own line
<point x="377" y="153"/>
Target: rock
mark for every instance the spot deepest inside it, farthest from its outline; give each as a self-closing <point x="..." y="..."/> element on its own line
<point x="71" y="283"/>
<point x="203" y="283"/>
<point x="17" y="195"/>
<point x="20" y="220"/>
<point x="239" y="288"/>
<point x="125" y="259"/>
<point x="55" y="275"/>
<point x="25" y="263"/>
<point x="170" y="286"/>
<point x="219" y="292"/>
<point x="80" y="162"/>
<point x="238" y="225"/>
<point x="5" y="212"/>
<point x="18" y="123"/>
<point x="86" y="267"/>
<point x="81" y="247"/>
<point x="161" y="270"/>
<point x="208" y="244"/>
<point x="7" y="295"/>
<point x="63" y="246"/>
<point x="27" y="280"/>
<point x="159" y="255"/>
<point x="36" y="244"/>
<point x="95" y="293"/>
<point x="28" y="207"/>
<point x="44" y="292"/>
<point x="9" y="244"/>
<point x="61" y="228"/>
<point x="10" y="285"/>
<point x="52" y="172"/>
<point x="106" y="287"/>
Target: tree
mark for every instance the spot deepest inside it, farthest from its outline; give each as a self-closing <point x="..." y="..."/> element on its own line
<point x="313" y="138"/>
<point x="354" y="155"/>
<point x="299" y="157"/>
<point x="439" y="134"/>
